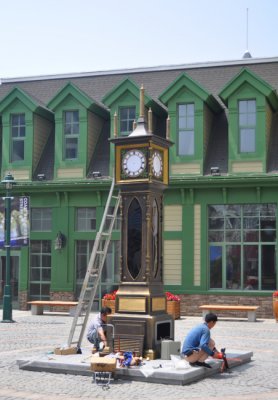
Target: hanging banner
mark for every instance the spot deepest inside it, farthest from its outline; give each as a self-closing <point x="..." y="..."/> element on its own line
<point x="20" y="223"/>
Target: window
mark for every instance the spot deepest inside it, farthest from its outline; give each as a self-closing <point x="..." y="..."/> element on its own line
<point x="41" y="219"/>
<point x="17" y="137"/>
<point x="40" y="269"/>
<point x="71" y="134"/>
<point x="242" y="242"/>
<point x="247" y="126"/>
<point x="186" y="129"/>
<point x="110" y="277"/>
<point x="83" y="252"/>
<point x="127" y="117"/>
<point x="85" y="219"/>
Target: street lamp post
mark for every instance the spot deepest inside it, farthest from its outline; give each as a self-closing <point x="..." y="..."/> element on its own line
<point x="8" y="181"/>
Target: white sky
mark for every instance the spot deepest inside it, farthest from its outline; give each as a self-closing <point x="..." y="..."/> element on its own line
<point x="40" y="37"/>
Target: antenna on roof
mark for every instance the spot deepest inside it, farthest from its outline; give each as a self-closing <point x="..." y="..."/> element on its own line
<point x="247" y="54"/>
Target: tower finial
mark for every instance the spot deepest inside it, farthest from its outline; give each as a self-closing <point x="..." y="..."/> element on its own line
<point x="142" y="101"/>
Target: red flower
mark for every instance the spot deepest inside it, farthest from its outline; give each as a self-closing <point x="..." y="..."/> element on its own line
<point x="275" y="294"/>
<point x="110" y="296"/>
<point x="172" y="297"/>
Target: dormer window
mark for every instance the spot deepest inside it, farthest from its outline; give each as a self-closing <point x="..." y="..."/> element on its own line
<point x="186" y="142"/>
<point x="247" y="126"/>
<point x="17" y="137"/>
<point x="71" y="134"/>
<point x="127" y="117"/>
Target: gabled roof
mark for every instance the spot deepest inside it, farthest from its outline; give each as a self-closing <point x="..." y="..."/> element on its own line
<point x="29" y="101"/>
<point x="71" y="90"/>
<point x="127" y="85"/>
<point x="247" y="76"/>
<point x="184" y="81"/>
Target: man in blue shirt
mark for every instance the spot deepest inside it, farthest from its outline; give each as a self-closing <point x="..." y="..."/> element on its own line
<point x="198" y="345"/>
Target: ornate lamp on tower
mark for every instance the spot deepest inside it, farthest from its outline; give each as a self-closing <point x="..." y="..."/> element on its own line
<point x="142" y="173"/>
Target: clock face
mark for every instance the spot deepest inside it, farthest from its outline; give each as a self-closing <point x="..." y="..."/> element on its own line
<point x="157" y="164"/>
<point x="133" y="163"/>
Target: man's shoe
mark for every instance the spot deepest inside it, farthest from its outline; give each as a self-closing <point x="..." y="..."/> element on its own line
<point x="193" y="364"/>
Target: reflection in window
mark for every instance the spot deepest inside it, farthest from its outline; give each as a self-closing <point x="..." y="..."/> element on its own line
<point x="41" y="219"/>
<point x="134" y="238"/>
<point x="245" y="237"/>
<point x="186" y="140"/>
<point x="247" y="126"/>
<point x="71" y="134"/>
<point x="127" y="117"/>
<point x="85" y="219"/>
<point x="17" y="137"/>
<point x="40" y="269"/>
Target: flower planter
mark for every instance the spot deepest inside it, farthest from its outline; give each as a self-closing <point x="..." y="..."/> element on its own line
<point x="275" y="307"/>
<point x="109" y="303"/>
<point x="174" y="309"/>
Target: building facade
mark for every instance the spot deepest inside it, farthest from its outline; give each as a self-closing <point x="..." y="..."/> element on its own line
<point x="220" y="209"/>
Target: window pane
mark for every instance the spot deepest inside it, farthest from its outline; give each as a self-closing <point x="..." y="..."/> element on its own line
<point x="85" y="219"/>
<point x="18" y="150"/>
<point x="247" y="140"/>
<point x="215" y="258"/>
<point x="268" y="268"/>
<point x="250" y="267"/>
<point x="186" y="143"/>
<point x="71" y="148"/>
<point x="233" y="276"/>
<point x="127" y="117"/>
<point x="41" y="219"/>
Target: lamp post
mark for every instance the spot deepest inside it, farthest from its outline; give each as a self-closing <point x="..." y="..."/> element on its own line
<point x="8" y="181"/>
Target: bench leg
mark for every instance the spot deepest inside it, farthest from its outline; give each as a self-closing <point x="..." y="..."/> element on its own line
<point x="36" y="310"/>
<point x="251" y="316"/>
<point x="72" y="311"/>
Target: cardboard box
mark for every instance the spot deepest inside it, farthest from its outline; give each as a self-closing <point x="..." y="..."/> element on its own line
<point x="64" y="352"/>
<point x="103" y="364"/>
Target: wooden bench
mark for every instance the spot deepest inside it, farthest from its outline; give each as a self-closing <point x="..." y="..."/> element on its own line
<point x="37" y="306"/>
<point x="251" y="310"/>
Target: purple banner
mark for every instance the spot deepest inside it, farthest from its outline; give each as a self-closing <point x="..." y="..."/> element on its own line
<point x="20" y="223"/>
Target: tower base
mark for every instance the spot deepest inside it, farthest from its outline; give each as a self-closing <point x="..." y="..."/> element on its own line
<point x="141" y="333"/>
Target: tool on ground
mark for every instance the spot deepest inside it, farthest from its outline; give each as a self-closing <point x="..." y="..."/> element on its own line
<point x="225" y="366"/>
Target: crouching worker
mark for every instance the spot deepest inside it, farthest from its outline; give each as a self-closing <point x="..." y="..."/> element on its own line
<point x="198" y="345"/>
<point x="96" y="334"/>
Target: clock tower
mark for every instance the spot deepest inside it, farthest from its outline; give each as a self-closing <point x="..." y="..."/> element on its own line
<point x="142" y="174"/>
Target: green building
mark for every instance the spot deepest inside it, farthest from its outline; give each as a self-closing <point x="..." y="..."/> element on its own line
<point x="220" y="209"/>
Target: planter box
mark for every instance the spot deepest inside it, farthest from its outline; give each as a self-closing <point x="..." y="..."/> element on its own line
<point x="109" y="303"/>
<point x="275" y="308"/>
<point x="174" y="309"/>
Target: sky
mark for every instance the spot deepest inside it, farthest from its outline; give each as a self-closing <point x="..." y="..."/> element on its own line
<point x="46" y="37"/>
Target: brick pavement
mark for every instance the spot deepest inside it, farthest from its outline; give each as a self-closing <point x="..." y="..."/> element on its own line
<point x="33" y="336"/>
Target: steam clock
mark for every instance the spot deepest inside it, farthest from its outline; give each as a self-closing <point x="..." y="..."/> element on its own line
<point x="141" y="174"/>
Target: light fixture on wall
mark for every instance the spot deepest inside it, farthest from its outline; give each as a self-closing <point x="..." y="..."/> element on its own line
<point x="96" y="174"/>
<point x="215" y="171"/>
<point x="60" y="241"/>
<point x="41" y="177"/>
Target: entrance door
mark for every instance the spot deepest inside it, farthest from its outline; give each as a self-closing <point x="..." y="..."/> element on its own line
<point x="14" y="278"/>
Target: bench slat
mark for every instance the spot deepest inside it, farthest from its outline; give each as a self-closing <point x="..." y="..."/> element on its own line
<point x="53" y="303"/>
<point x="228" y="307"/>
<point x="251" y="310"/>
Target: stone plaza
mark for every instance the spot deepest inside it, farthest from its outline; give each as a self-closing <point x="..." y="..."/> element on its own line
<point x="32" y="337"/>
